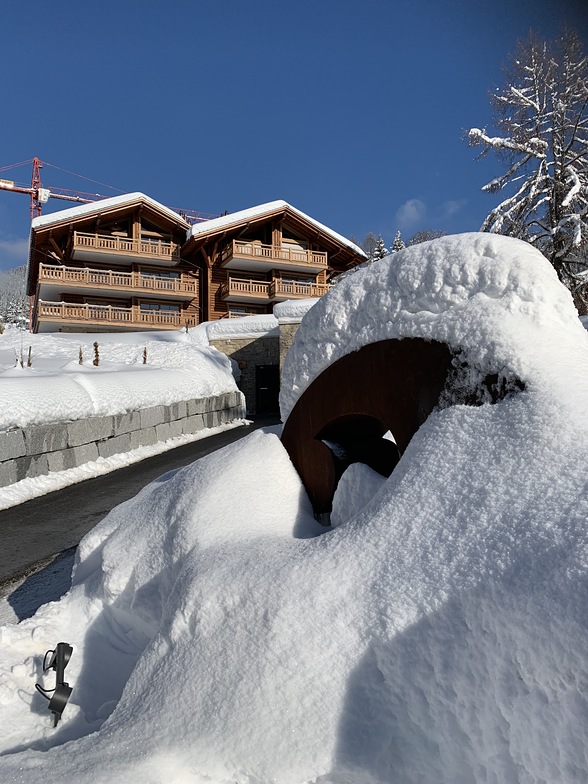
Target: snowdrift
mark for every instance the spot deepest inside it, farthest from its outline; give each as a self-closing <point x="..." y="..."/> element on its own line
<point x="437" y="633"/>
<point x="58" y="388"/>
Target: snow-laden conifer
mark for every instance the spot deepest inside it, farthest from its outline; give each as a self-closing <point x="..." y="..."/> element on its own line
<point x="398" y="243"/>
<point x="380" y="250"/>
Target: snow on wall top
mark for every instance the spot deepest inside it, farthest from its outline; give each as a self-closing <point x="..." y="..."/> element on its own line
<point x="487" y="294"/>
<point x="101" y="205"/>
<point x="246" y="326"/>
<point x="225" y="221"/>
<point x="294" y="309"/>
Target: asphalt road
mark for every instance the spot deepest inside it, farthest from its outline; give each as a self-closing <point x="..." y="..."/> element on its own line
<point x="32" y="532"/>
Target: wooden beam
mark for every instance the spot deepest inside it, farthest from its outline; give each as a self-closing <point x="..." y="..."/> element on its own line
<point x="56" y="248"/>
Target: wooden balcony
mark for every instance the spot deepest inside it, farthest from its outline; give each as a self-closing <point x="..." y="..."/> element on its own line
<point x="256" y="256"/>
<point x="86" y="279"/>
<point x="111" y="316"/>
<point x="289" y="289"/>
<point x="95" y="246"/>
<point x="237" y="290"/>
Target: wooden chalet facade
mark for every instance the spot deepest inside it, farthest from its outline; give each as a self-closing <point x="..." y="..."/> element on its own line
<point x="251" y="259"/>
<point x="113" y="265"/>
<point x="131" y="264"/>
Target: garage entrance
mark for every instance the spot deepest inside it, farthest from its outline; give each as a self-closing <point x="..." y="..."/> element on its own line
<point x="267" y="389"/>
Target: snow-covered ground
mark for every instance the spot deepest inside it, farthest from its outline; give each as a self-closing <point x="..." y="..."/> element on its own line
<point x="56" y="388"/>
<point x="437" y="634"/>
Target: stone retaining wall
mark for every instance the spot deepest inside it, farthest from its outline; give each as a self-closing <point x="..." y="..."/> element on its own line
<point x="249" y="352"/>
<point x="34" y="451"/>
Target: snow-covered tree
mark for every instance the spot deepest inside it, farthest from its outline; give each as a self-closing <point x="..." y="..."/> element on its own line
<point x="13" y="300"/>
<point x="424" y="235"/>
<point x="542" y="117"/>
<point x="398" y="243"/>
<point x="380" y="250"/>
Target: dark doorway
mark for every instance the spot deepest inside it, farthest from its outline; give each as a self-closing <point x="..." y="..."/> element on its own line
<point x="267" y="389"/>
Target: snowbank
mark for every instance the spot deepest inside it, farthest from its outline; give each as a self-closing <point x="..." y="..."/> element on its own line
<point x="438" y="634"/>
<point x="492" y="297"/>
<point x="57" y="388"/>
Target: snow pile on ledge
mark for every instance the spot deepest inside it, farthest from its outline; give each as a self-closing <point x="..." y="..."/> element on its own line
<point x="293" y="309"/>
<point x="57" y="388"/>
<point x="244" y="327"/>
<point x="438" y="635"/>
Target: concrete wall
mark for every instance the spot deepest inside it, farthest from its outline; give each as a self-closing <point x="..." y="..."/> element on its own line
<point x="34" y="451"/>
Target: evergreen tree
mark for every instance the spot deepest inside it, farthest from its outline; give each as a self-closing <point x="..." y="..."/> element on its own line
<point x="14" y="306"/>
<point x="424" y="235"/>
<point x="380" y="250"/>
<point x="398" y="243"/>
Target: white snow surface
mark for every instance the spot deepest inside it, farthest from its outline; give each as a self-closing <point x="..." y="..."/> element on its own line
<point x="244" y="327"/>
<point x="57" y="388"/>
<point x="232" y="218"/>
<point x="100" y="206"/>
<point x="493" y="297"/>
<point x="437" y="634"/>
<point x="293" y="309"/>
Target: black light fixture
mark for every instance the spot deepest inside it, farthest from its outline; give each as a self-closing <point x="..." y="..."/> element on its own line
<point x="62" y="691"/>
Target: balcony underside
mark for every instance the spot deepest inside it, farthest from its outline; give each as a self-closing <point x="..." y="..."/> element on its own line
<point x="97" y="256"/>
<point x="98" y="247"/>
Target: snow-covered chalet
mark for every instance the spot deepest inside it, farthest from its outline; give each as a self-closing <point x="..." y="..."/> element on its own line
<point x="129" y="263"/>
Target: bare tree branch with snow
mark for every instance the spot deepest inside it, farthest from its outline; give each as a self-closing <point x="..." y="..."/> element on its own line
<point x="542" y="117"/>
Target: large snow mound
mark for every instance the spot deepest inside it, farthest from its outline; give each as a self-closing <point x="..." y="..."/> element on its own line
<point x="494" y="298"/>
<point x="437" y="634"/>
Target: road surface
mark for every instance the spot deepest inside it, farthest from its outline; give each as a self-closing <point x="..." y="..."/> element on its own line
<point x="32" y="532"/>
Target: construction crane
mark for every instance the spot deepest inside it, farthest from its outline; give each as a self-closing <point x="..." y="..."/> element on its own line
<point x="40" y="195"/>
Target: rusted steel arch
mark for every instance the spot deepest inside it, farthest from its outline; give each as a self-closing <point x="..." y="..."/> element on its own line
<point x="392" y="385"/>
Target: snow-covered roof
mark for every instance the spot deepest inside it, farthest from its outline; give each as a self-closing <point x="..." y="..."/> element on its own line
<point x="261" y="210"/>
<point x="72" y="213"/>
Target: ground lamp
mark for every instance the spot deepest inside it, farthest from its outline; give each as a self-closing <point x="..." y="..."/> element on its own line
<point x="62" y="690"/>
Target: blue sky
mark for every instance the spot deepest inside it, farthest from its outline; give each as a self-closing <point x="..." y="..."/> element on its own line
<point x="351" y="110"/>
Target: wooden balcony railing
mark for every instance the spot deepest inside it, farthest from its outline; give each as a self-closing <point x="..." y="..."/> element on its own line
<point x="291" y="289"/>
<point x="126" y="247"/>
<point x="247" y="288"/>
<point x="107" y="279"/>
<point x="294" y="256"/>
<point x="275" y="289"/>
<point x="113" y="316"/>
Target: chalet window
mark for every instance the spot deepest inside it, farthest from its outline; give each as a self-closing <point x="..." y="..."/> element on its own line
<point x="241" y="310"/>
<point x="297" y="281"/>
<point x="160" y="307"/>
<point x="158" y="274"/>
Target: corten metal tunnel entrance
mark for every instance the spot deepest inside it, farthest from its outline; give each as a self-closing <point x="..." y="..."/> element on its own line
<point x="342" y="417"/>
